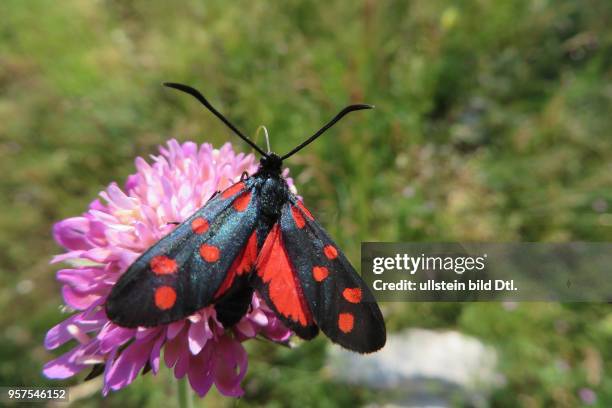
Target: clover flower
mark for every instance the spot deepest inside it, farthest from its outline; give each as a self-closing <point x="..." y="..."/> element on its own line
<point x="103" y="242"/>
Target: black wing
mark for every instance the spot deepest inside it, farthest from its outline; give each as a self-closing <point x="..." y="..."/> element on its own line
<point x="339" y="300"/>
<point x="192" y="266"/>
<point x="276" y="281"/>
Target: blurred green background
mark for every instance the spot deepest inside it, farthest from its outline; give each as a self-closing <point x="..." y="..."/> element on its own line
<point x="492" y="124"/>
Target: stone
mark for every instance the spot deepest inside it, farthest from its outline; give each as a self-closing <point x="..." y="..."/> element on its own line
<point x="422" y="368"/>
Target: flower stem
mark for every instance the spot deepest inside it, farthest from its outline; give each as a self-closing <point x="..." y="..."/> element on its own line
<point x="185" y="400"/>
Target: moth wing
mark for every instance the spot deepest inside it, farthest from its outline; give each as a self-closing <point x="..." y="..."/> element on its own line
<point x="341" y="303"/>
<point x="192" y="266"/>
<point x="276" y="281"/>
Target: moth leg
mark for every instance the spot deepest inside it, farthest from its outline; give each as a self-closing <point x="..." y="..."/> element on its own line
<point x="213" y="195"/>
<point x="96" y="370"/>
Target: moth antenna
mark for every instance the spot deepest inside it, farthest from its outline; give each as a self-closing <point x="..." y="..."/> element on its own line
<point x="196" y="94"/>
<point x="329" y="124"/>
<point x="265" y="129"/>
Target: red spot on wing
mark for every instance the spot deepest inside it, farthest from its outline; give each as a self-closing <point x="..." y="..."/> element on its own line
<point x="304" y="209"/>
<point x="162" y="265"/>
<point x="320" y="273"/>
<point x="165" y="297"/>
<point x="241" y="265"/>
<point x="297" y="217"/>
<point x="274" y="268"/>
<point x="209" y="253"/>
<point x="199" y="225"/>
<point x="352" y="295"/>
<point x="232" y="190"/>
<point x="330" y="252"/>
<point x="346" y="322"/>
<point x="242" y="202"/>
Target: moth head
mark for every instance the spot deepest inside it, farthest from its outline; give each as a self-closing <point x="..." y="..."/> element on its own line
<point x="271" y="163"/>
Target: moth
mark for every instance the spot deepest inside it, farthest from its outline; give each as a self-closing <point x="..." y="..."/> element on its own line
<point x="254" y="236"/>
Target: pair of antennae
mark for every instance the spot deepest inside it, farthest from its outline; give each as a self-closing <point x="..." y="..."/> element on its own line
<point x="196" y="94"/>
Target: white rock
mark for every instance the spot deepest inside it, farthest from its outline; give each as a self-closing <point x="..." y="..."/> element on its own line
<point x="423" y="368"/>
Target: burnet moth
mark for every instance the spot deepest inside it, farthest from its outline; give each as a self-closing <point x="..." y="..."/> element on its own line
<point x="254" y="236"/>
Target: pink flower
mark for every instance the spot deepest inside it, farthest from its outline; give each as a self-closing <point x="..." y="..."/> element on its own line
<point x="106" y="239"/>
<point x="588" y="396"/>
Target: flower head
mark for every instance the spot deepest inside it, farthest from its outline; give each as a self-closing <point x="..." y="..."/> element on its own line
<point x="103" y="242"/>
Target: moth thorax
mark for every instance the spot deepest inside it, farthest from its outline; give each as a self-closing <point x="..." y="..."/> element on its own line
<point x="273" y="195"/>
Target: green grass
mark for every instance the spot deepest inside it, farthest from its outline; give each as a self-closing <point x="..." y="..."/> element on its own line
<point x="492" y="123"/>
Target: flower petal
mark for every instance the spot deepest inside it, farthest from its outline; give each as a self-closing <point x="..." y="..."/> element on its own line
<point x="128" y="365"/>
<point x="199" y="333"/>
<point x="155" y="354"/>
<point x="174" y="329"/>
<point x="80" y="278"/>
<point x="246" y="328"/>
<point x="64" y="366"/>
<point x="110" y="362"/>
<point x="173" y="349"/>
<point x="59" y="334"/>
<point x="258" y="317"/>
<point x="117" y="197"/>
<point x="71" y="233"/>
<point x="101" y="255"/>
<point x="182" y="365"/>
<point x="112" y="336"/>
<point x="67" y="255"/>
<point x="77" y="299"/>
<point x="200" y="371"/>
<point x="230" y="366"/>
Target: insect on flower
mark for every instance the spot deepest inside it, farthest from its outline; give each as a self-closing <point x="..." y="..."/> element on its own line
<point x="104" y="241"/>
<point x="254" y="236"/>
